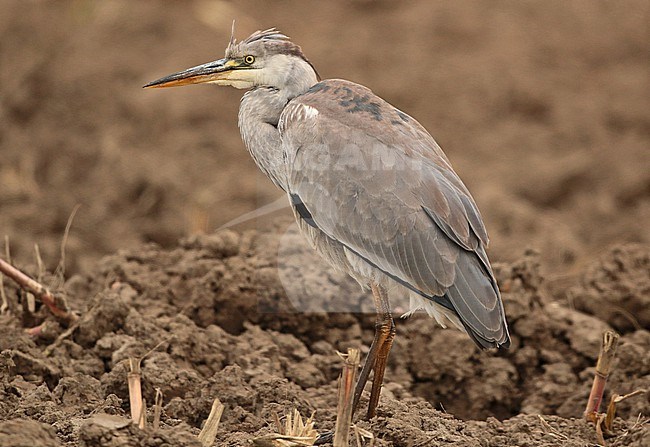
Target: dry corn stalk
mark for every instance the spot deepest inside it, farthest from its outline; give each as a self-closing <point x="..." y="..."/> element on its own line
<point x="346" y="396"/>
<point x="135" y="392"/>
<point x="142" y="420"/>
<point x="137" y="403"/>
<point x="56" y="304"/>
<point x="157" y="408"/>
<point x="603" y="367"/>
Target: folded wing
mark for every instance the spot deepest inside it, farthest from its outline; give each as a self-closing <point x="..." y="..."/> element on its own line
<point x="373" y="179"/>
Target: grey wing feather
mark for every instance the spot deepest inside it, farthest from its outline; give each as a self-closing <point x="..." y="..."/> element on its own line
<point x="373" y="179"/>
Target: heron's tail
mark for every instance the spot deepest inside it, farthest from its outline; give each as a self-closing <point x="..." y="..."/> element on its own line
<point x="476" y="300"/>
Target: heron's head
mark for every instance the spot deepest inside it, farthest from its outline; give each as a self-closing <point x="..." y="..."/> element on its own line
<point x="266" y="58"/>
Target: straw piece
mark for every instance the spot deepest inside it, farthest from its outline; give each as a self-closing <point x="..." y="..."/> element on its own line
<point x="209" y="432"/>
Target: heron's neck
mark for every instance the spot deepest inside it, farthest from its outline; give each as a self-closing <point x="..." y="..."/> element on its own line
<point x="259" y="114"/>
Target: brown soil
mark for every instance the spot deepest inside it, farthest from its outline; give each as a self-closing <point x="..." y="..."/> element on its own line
<point x="542" y="107"/>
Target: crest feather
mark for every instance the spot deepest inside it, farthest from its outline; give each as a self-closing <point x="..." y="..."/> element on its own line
<point x="271" y="34"/>
<point x="272" y="39"/>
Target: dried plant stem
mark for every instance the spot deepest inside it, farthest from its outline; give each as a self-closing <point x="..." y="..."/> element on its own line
<point x="142" y="419"/>
<point x="611" y="408"/>
<point x="36" y="331"/>
<point x="39" y="263"/>
<point x="346" y="396"/>
<point x="7" y="249"/>
<point x="361" y="435"/>
<point x="137" y="403"/>
<point x="600" y="435"/>
<point x="135" y="390"/>
<point x="50" y="349"/>
<point x="66" y="233"/>
<point x="209" y="431"/>
<point x="5" y="303"/>
<point x="293" y="433"/>
<point x="157" y="408"/>
<point x="41" y="292"/>
<point x="603" y="367"/>
<point x="30" y="302"/>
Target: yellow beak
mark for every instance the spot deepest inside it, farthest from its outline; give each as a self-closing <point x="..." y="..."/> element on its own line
<point x="210" y="72"/>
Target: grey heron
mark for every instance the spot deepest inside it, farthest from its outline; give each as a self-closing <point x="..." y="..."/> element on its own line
<point x="369" y="187"/>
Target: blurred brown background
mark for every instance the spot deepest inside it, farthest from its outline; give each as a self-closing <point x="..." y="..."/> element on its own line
<point x="542" y="107"/>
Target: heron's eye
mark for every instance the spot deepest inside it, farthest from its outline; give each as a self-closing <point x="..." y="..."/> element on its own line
<point x="249" y="60"/>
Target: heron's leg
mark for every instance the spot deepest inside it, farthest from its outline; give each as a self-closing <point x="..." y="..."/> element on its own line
<point x="379" y="349"/>
<point x="368" y="366"/>
<point x="376" y="358"/>
<point x="387" y="329"/>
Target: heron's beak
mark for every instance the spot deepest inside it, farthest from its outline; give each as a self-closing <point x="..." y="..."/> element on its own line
<point x="210" y="72"/>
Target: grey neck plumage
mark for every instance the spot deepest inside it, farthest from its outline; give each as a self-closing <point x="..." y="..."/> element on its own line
<point x="259" y="114"/>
